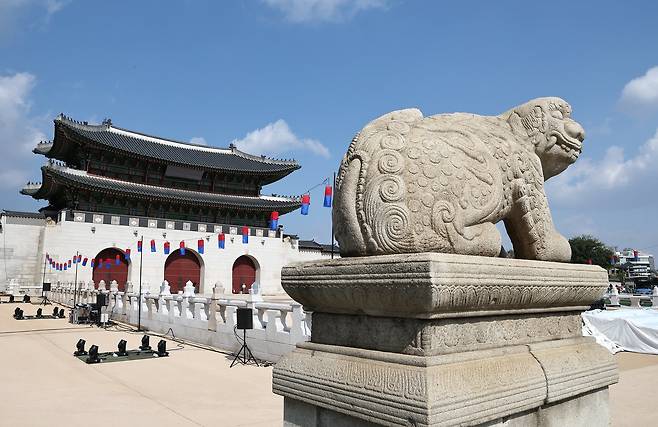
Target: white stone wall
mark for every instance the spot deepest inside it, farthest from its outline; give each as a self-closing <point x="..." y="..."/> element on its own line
<point x="63" y="239"/>
<point x="20" y="252"/>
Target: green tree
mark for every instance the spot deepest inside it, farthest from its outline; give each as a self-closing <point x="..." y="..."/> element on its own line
<point x="586" y="247"/>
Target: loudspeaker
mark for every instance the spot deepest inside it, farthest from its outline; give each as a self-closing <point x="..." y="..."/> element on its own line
<point x="245" y="318"/>
<point x="101" y="299"/>
<point x="46" y="287"/>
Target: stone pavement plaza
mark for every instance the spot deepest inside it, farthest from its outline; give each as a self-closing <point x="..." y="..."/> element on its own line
<point x="44" y="385"/>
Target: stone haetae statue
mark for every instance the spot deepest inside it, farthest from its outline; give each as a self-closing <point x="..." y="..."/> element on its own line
<point x="410" y="183"/>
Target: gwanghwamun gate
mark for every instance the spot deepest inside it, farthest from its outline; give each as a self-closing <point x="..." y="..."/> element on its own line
<point x="191" y="213"/>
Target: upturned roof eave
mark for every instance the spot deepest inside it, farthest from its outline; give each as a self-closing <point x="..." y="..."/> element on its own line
<point x="123" y="190"/>
<point x="277" y="168"/>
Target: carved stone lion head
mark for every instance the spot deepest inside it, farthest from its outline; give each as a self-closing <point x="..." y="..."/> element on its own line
<point x="548" y="129"/>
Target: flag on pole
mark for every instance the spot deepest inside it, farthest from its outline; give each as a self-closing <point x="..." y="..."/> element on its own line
<point x="636" y="255"/>
<point x="84" y="262"/>
<point x="306" y="201"/>
<point x="327" y="196"/>
<point x="93" y="261"/>
<point x="166" y="248"/>
<point x="220" y="240"/>
<point x="182" y="247"/>
<point x="69" y="263"/>
<point x="274" y="220"/>
<point x="200" y="246"/>
<point x="65" y="267"/>
<point x="75" y="259"/>
<point x="152" y="245"/>
<point x="117" y="259"/>
<point x="245" y="234"/>
<point x="79" y="258"/>
<point x="139" y="246"/>
<point x="127" y="254"/>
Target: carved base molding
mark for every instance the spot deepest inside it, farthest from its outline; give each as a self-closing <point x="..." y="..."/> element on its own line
<point x="467" y="388"/>
<point x="435" y="285"/>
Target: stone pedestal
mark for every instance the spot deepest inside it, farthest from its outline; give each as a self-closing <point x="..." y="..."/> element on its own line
<point x="439" y="340"/>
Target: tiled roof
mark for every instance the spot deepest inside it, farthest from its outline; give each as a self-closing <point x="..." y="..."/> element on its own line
<point x="170" y="151"/>
<point x="53" y="172"/>
<point x="19" y="214"/>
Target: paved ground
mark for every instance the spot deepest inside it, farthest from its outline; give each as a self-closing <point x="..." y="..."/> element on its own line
<point x="42" y="384"/>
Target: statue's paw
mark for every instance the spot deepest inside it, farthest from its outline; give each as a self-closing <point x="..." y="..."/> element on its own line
<point x="557" y="249"/>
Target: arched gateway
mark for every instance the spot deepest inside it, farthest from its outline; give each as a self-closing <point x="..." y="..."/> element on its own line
<point x="181" y="268"/>
<point x="244" y="272"/>
<point x="114" y="272"/>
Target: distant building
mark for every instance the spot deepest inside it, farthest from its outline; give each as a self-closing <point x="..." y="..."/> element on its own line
<point x="635" y="265"/>
<point x="108" y="187"/>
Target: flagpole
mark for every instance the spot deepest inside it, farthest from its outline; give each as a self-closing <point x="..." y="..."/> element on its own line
<point x="332" y="219"/>
<point x="139" y="300"/>
<point x="75" y="282"/>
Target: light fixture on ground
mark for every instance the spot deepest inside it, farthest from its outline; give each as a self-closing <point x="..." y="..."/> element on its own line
<point x="55" y="311"/>
<point x="18" y="313"/>
<point x="61" y="313"/>
<point x="162" y="348"/>
<point x="145" y="343"/>
<point x="122" y="348"/>
<point x="26" y="298"/>
<point x="93" y="355"/>
<point x="39" y="313"/>
<point x="11" y="298"/>
<point x="80" y="348"/>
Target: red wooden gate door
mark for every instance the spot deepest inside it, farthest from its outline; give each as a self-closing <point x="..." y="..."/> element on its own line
<point x="244" y="272"/>
<point x="115" y="272"/>
<point x="181" y="268"/>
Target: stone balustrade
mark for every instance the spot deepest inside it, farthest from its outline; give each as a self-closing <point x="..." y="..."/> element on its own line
<point x="201" y="319"/>
<point x="634" y="301"/>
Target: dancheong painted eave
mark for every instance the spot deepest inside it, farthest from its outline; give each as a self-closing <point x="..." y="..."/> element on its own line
<point x="57" y="178"/>
<point x="73" y="135"/>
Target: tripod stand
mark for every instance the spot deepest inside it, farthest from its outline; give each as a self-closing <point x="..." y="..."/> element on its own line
<point x="44" y="298"/>
<point x="241" y="355"/>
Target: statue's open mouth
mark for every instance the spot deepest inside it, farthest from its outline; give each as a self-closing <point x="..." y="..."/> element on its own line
<point x="572" y="146"/>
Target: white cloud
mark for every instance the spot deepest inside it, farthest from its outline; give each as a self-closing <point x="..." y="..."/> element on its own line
<point x="642" y="91"/>
<point x="276" y="138"/>
<point x="588" y="180"/>
<point x="323" y="10"/>
<point x="12" y="14"/>
<point x="19" y="130"/>
<point x="198" y="140"/>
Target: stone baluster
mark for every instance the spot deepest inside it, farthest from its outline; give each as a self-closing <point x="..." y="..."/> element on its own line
<point x="171" y="308"/>
<point x="654" y="297"/>
<point x="270" y="328"/>
<point x="212" y="307"/>
<point x="262" y="319"/>
<point x="125" y="303"/>
<point x="231" y="312"/>
<point x="205" y="309"/>
<point x="150" y="306"/>
<point x="614" y="296"/>
<point x="297" y="325"/>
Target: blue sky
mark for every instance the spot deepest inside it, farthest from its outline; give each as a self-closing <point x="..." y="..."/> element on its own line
<point x="296" y="79"/>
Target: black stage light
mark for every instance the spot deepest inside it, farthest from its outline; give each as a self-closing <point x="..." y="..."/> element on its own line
<point x="61" y="313"/>
<point x="20" y="314"/>
<point x="55" y="311"/>
<point x="162" y="348"/>
<point x="26" y="298"/>
<point x="122" y="348"/>
<point x="93" y="354"/>
<point x="39" y="313"/>
<point x="17" y="312"/>
<point x="11" y="298"/>
<point x="80" y="348"/>
<point x="145" y="343"/>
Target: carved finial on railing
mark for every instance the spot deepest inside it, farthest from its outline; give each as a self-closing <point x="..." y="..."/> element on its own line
<point x="129" y="287"/>
<point x="114" y="286"/>
<point x="189" y="290"/>
<point x="165" y="289"/>
<point x="218" y="290"/>
<point x="92" y="285"/>
<point x="102" y="286"/>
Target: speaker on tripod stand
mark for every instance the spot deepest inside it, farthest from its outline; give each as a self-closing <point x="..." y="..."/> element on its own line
<point x="245" y="321"/>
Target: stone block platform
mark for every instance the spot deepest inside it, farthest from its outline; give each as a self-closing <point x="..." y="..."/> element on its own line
<point x="440" y="340"/>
